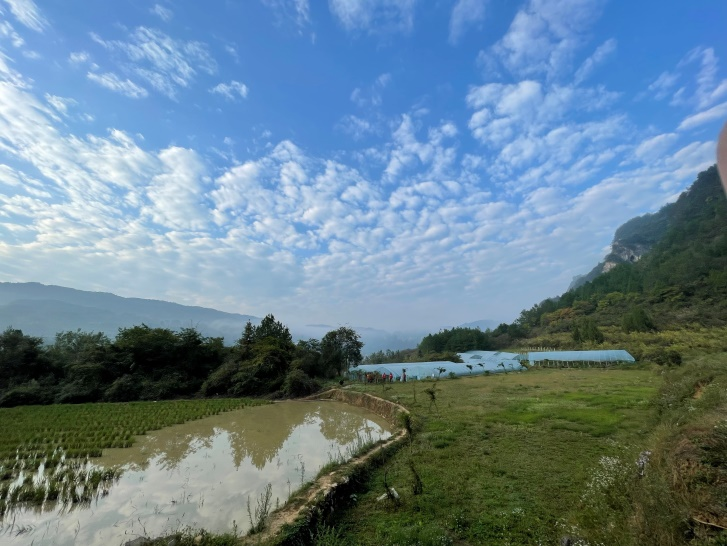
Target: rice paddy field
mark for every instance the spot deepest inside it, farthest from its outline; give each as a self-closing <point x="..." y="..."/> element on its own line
<point x="45" y="451"/>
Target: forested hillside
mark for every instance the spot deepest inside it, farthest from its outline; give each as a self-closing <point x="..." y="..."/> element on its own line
<point x="681" y="281"/>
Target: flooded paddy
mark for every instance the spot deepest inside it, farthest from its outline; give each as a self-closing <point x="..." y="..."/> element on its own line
<point x="200" y="474"/>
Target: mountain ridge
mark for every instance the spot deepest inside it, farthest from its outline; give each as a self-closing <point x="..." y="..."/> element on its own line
<point x="43" y="310"/>
<point x="681" y="280"/>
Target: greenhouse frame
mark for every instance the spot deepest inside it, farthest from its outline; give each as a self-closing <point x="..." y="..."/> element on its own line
<point x="600" y="358"/>
<point x="486" y="362"/>
<point x="473" y="363"/>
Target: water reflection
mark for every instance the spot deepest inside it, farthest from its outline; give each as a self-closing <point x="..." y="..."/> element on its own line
<point x="201" y="473"/>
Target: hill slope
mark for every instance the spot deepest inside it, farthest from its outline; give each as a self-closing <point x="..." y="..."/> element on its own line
<point x="681" y="280"/>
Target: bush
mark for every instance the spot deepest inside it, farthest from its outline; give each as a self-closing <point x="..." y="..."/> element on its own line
<point x="297" y="383"/>
<point x="28" y="394"/>
<point x="125" y="389"/>
<point x="664" y="357"/>
<point x="220" y="381"/>
<point x="637" y="320"/>
<point x="77" y="392"/>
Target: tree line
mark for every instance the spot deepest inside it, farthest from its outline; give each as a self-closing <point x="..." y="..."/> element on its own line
<point x="144" y="363"/>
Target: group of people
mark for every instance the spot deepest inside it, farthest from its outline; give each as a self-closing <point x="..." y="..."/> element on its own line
<point x="374" y="377"/>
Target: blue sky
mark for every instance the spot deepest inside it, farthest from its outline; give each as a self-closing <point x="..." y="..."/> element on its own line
<point x="394" y="164"/>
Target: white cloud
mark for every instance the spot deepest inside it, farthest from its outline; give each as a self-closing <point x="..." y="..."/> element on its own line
<point x="165" y="63"/>
<point x="231" y="91"/>
<point x="708" y="87"/>
<point x="544" y="36"/>
<point x="233" y="52"/>
<point x="10" y="75"/>
<point x="373" y="94"/>
<point x="374" y="16"/>
<point x="27" y="13"/>
<point x="111" y="81"/>
<point x="297" y="11"/>
<point x="466" y="13"/>
<point x="60" y="104"/>
<point x="165" y="14"/>
<point x="716" y="113"/>
<point x="654" y="148"/>
<point x="602" y="53"/>
<point x="694" y="82"/>
<point x="538" y="132"/>
<point x="175" y="194"/>
<point x="8" y="32"/>
<point x="662" y="86"/>
<point x="79" y="57"/>
<point x="356" y="127"/>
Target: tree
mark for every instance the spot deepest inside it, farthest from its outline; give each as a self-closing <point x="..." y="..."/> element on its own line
<point x="308" y="357"/>
<point x="341" y="349"/>
<point x="87" y="367"/>
<point x="269" y="327"/>
<point x="637" y="320"/>
<point x="244" y="344"/>
<point x="456" y="340"/>
<point x="152" y="350"/>
<point x="21" y="358"/>
<point x="586" y="330"/>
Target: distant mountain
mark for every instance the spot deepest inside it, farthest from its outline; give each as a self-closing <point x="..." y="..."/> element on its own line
<point x="374" y="340"/>
<point x="482" y="324"/>
<point x="43" y="310"/>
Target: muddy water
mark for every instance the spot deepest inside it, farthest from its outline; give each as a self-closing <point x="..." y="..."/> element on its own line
<point x="201" y="474"/>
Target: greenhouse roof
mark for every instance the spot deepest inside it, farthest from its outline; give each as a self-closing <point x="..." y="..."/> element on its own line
<point x="423" y="370"/>
<point x="605" y="355"/>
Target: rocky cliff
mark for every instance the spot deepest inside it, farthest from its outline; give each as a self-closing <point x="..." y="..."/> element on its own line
<point x="631" y="242"/>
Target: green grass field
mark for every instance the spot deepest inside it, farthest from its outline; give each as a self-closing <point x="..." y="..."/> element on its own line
<point x="502" y="459"/>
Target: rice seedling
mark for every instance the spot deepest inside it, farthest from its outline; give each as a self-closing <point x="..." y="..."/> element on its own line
<point x="46" y="451"/>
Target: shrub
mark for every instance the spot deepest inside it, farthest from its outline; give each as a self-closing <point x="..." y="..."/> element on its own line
<point x="298" y="383"/>
<point x="220" y="380"/>
<point x="77" y="392"/>
<point x="637" y="320"/>
<point x="125" y="389"/>
<point x="23" y="395"/>
<point x="664" y="357"/>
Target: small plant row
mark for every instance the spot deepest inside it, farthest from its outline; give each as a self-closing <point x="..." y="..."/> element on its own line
<point x="45" y="441"/>
<point x="71" y="482"/>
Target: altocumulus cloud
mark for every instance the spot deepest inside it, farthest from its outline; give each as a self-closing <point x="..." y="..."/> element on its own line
<point x="425" y="217"/>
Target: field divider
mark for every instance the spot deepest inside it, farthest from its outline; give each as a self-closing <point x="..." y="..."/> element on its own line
<point x="333" y="491"/>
